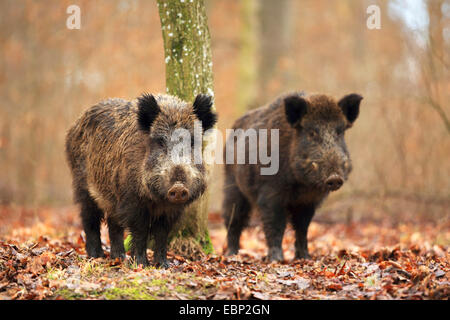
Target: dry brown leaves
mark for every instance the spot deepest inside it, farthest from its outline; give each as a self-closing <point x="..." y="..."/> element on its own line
<point x="350" y="261"/>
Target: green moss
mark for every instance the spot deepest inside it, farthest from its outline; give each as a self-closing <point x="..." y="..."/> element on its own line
<point x="181" y="289"/>
<point x="129" y="291"/>
<point x="136" y="290"/>
<point x="55" y="273"/>
<point x="262" y="277"/>
<point x="185" y="232"/>
<point x="69" y="294"/>
<point x="127" y="243"/>
<point x="371" y="281"/>
<point x="204" y="240"/>
<point x="92" y="269"/>
<point x="124" y="290"/>
<point x="206" y="243"/>
<point x="144" y="288"/>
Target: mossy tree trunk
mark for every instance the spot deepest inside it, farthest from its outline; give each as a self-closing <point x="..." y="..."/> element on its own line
<point x="187" y="53"/>
<point x="187" y="48"/>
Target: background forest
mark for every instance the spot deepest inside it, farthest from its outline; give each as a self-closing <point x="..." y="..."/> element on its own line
<point x="400" y="145"/>
<point x="384" y="235"/>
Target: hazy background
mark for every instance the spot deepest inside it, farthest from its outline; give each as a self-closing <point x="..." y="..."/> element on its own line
<point x="400" y="144"/>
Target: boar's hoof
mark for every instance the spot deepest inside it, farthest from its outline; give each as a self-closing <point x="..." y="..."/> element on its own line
<point x="334" y="182"/>
<point x="115" y="255"/>
<point x="163" y="264"/>
<point x="178" y="193"/>
<point x="276" y="254"/>
<point x="231" y="252"/>
<point x="141" y="261"/>
<point x="302" y="255"/>
<point x="95" y="253"/>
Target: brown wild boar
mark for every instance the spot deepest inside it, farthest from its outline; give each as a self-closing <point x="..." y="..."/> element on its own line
<point x="119" y="154"/>
<point x="313" y="161"/>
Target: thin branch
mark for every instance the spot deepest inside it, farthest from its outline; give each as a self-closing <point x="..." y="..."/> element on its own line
<point x="436" y="106"/>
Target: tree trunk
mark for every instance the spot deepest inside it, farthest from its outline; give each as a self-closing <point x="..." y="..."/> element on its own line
<point x="265" y="65"/>
<point x="248" y="68"/>
<point x="435" y="70"/>
<point x="187" y="53"/>
<point x="187" y="48"/>
<point x="275" y="28"/>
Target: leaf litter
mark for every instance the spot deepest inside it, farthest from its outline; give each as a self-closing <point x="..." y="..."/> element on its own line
<point x="363" y="260"/>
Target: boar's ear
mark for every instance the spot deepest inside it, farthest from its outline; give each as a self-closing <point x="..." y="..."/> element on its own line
<point x="350" y="106"/>
<point x="202" y="109"/>
<point x="295" y="108"/>
<point x="147" y="112"/>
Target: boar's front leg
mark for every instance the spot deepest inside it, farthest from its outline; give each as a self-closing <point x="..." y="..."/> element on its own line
<point x="138" y="222"/>
<point x="160" y="230"/>
<point x="273" y="216"/>
<point x="301" y="219"/>
<point x="116" y="239"/>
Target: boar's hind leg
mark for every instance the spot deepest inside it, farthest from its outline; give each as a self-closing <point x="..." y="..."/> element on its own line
<point x="301" y="219"/>
<point x="273" y="216"/>
<point x="236" y="213"/>
<point x="91" y="216"/>
<point x="116" y="239"/>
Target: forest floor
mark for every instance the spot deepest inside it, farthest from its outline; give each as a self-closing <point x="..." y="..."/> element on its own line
<point x="42" y="256"/>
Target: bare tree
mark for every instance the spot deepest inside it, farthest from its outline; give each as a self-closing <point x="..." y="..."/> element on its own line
<point x="275" y="28"/>
<point x="188" y="60"/>
<point x="248" y="67"/>
<point x="435" y="64"/>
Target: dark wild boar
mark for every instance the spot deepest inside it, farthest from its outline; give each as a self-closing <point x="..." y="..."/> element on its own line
<point x="313" y="161"/>
<point x="119" y="155"/>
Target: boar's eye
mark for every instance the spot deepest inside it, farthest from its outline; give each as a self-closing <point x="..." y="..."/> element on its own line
<point x="160" y="141"/>
<point x="313" y="134"/>
<point x="340" y="131"/>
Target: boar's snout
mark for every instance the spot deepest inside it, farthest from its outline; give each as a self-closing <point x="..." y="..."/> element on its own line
<point x="178" y="193"/>
<point x="334" y="182"/>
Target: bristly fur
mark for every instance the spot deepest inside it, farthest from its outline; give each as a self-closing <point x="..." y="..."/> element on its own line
<point x="122" y="172"/>
<point x="148" y="111"/>
<point x="202" y="109"/>
<point x="312" y="155"/>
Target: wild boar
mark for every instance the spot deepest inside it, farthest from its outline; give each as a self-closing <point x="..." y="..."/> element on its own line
<point x="119" y="153"/>
<point x="313" y="161"/>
